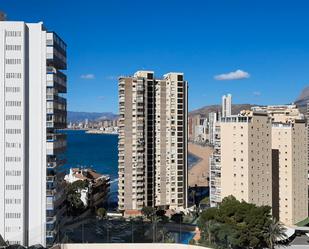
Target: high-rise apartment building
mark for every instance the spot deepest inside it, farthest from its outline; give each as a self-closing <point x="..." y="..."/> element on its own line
<point x="246" y="157"/>
<point x="194" y="121"/>
<point x="30" y="111"/>
<point x="215" y="169"/>
<point x="226" y="105"/>
<point x="289" y="137"/>
<point x="307" y="123"/>
<point x="152" y="141"/>
<point x="212" y="121"/>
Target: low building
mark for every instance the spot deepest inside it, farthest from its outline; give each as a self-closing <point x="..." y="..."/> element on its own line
<point x="98" y="185"/>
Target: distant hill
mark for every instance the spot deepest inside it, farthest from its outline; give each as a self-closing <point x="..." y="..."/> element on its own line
<point x="302" y="100"/>
<point x="204" y="111"/>
<point x="301" y="103"/>
<point x="91" y="116"/>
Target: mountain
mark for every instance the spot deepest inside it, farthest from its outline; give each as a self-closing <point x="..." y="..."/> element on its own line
<point x="204" y="111"/>
<point x="301" y="103"/>
<point x="91" y="116"/>
<point x="302" y="100"/>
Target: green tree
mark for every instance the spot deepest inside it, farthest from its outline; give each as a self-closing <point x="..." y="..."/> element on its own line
<point x="101" y="213"/>
<point x="235" y="224"/>
<point x="273" y="232"/>
<point x="148" y="212"/>
<point x="178" y="217"/>
<point x="161" y="216"/>
<point x="73" y="195"/>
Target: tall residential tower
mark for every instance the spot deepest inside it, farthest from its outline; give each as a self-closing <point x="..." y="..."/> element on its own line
<point x="289" y="137"/>
<point x="152" y="141"/>
<point x="246" y="157"/>
<point x="226" y="105"/>
<point x="30" y="110"/>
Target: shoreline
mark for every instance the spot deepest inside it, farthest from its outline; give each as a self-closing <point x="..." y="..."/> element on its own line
<point x="199" y="171"/>
<point x="198" y="159"/>
<point x="90" y="131"/>
<point x="100" y="132"/>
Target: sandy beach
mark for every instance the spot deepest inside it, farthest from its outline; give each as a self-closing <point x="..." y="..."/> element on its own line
<point x="200" y="171"/>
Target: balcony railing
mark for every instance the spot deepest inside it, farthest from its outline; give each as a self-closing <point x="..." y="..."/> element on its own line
<point x="56" y="79"/>
<point x="56" y="51"/>
<point x="56" y="143"/>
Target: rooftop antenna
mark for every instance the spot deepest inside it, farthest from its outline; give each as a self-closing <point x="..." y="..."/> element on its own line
<point x="2" y="16"/>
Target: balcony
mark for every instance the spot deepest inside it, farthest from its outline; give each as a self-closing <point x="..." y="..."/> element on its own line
<point x="56" y="121"/>
<point x="56" y="104"/>
<point x="51" y="220"/>
<point x="51" y="234"/>
<point x="56" y="79"/>
<point x="56" y="51"/>
<point x="54" y="163"/>
<point x="56" y="143"/>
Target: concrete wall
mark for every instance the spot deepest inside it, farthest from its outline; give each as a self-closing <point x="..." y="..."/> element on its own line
<point x="128" y="246"/>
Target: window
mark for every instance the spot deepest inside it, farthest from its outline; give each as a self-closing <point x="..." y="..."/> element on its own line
<point x="13" y="173"/>
<point x="13" y="33"/>
<point x="180" y="77"/>
<point x="13" y="103"/>
<point x="12" y="145"/>
<point x="12" y="89"/>
<point x="12" y="187"/>
<point x="13" y="75"/>
<point x="13" y="131"/>
<point x="13" y="47"/>
<point x="13" y="61"/>
<point x="12" y="215"/>
<point x="12" y="159"/>
<point x="13" y="117"/>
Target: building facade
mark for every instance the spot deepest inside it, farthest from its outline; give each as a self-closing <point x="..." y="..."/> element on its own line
<point x="226" y="105"/>
<point x="152" y="141"/>
<point x="27" y="131"/>
<point x="215" y="169"/>
<point x="289" y="137"/>
<point x="246" y="157"/>
<point x="212" y="121"/>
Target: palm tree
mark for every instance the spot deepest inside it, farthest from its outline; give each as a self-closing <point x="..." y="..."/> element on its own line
<point x="274" y="232"/>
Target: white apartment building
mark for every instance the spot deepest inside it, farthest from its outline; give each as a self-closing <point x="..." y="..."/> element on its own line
<point x="152" y="141"/>
<point x="226" y="105"/>
<point x="24" y="131"/>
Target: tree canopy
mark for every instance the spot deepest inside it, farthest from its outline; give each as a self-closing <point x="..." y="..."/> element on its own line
<point x="236" y="224"/>
<point x="73" y="197"/>
<point x="101" y="213"/>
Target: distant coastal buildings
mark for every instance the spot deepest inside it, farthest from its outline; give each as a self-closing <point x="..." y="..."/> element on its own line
<point x="202" y="126"/>
<point x="226" y="105"/>
<point x="31" y="149"/>
<point x="107" y="126"/>
<point x="152" y="141"/>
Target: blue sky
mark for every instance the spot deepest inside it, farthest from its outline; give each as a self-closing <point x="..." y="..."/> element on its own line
<point x="267" y="39"/>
